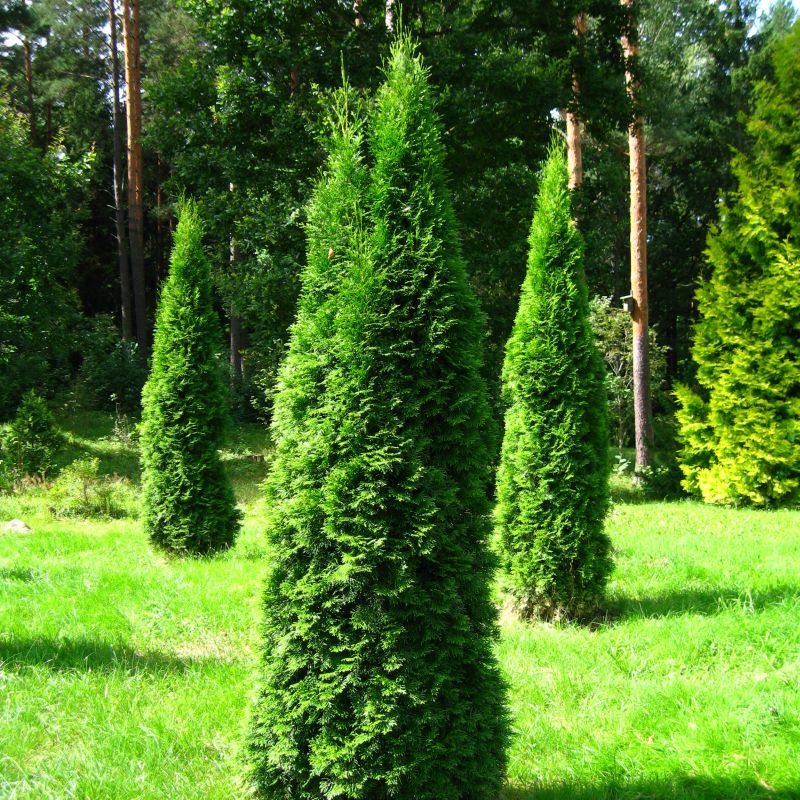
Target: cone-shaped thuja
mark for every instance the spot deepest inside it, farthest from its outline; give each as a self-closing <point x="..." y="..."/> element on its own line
<point x="552" y="486"/>
<point x="740" y="423"/>
<point x="189" y="507"/>
<point x="379" y="677"/>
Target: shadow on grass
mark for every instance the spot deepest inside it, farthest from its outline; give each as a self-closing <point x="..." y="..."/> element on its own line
<point x="703" y="602"/>
<point x="84" y="655"/>
<point x="19" y="574"/>
<point x="677" y="787"/>
<point x="626" y="494"/>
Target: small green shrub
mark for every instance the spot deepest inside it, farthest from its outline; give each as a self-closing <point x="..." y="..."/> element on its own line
<point x="32" y="439"/>
<point x="6" y="476"/>
<point x="80" y="491"/>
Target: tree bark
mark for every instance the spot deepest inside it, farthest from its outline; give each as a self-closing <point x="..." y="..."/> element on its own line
<point x="48" y="124"/>
<point x="27" y="56"/>
<point x="237" y="362"/>
<point x="236" y="337"/>
<point x="388" y="15"/>
<point x="133" y="78"/>
<point x="574" y="148"/>
<point x="160" y="242"/>
<point x="642" y="403"/>
<point x="126" y="310"/>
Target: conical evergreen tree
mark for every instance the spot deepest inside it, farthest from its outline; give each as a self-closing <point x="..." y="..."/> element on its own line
<point x="189" y="507"/>
<point x="741" y="429"/>
<point x="552" y="485"/>
<point x="379" y="676"/>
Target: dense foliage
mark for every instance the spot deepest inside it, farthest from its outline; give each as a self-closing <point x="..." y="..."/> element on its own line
<point x="112" y="372"/>
<point x="379" y="677"/>
<point x="552" y="484"/>
<point x="741" y="427"/>
<point x="39" y="252"/>
<point x="32" y="439"/>
<point x="189" y="505"/>
<point x="268" y="66"/>
<point x="234" y="93"/>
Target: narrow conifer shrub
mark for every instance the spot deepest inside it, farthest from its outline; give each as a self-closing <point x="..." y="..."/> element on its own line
<point x="189" y="507"/>
<point x="379" y="678"/>
<point x="552" y="484"/>
<point x="740" y="423"/>
<point x="32" y="439"/>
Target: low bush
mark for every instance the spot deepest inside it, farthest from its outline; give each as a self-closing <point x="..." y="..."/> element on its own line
<point x="80" y="491"/>
<point x="31" y="440"/>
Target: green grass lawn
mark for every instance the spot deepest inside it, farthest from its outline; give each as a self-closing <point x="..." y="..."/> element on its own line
<point x="125" y="675"/>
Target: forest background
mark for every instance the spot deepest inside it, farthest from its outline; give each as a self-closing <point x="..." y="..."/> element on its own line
<point x="233" y="94"/>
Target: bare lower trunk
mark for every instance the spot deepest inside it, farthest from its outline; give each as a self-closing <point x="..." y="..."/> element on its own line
<point x="236" y="336"/>
<point x="160" y="271"/>
<point x="48" y="124"/>
<point x="28" y="67"/>
<point x="130" y="32"/>
<point x="574" y="147"/>
<point x="642" y="403"/>
<point x="388" y="16"/>
<point x="126" y="311"/>
<point x="237" y="363"/>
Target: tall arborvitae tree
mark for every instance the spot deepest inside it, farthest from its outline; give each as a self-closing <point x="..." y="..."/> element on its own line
<point x="379" y="677"/>
<point x="552" y="485"/>
<point x="189" y="507"/>
<point x="741" y="429"/>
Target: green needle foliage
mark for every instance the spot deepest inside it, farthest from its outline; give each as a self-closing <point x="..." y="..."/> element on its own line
<point x="189" y="507"/>
<point x="32" y="439"/>
<point x="741" y="428"/>
<point x="379" y="678"/>
<point x="552" y="485"/>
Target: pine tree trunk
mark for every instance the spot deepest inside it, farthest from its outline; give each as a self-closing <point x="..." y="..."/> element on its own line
<point x="28" y="68"/>
<point x="130" y="33"/>
<point x="48" y="124"/>
<point x="237" y="364"/>
<point x="160" y="270"/>
<point x="126" y="312"/>
<point x="642" y="403"/>
<point x="574" y="149"/>
<point x="389" y="16"/>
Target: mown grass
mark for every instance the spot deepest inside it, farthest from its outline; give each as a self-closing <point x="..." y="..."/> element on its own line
<point x="127" y="675"/>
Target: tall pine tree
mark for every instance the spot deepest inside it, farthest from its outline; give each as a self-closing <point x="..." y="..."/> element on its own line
<point x="552" y="485"/>
<point x="189" y="507"/>
<point x="741" y="429"/>
<point x="379" y="677"/>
